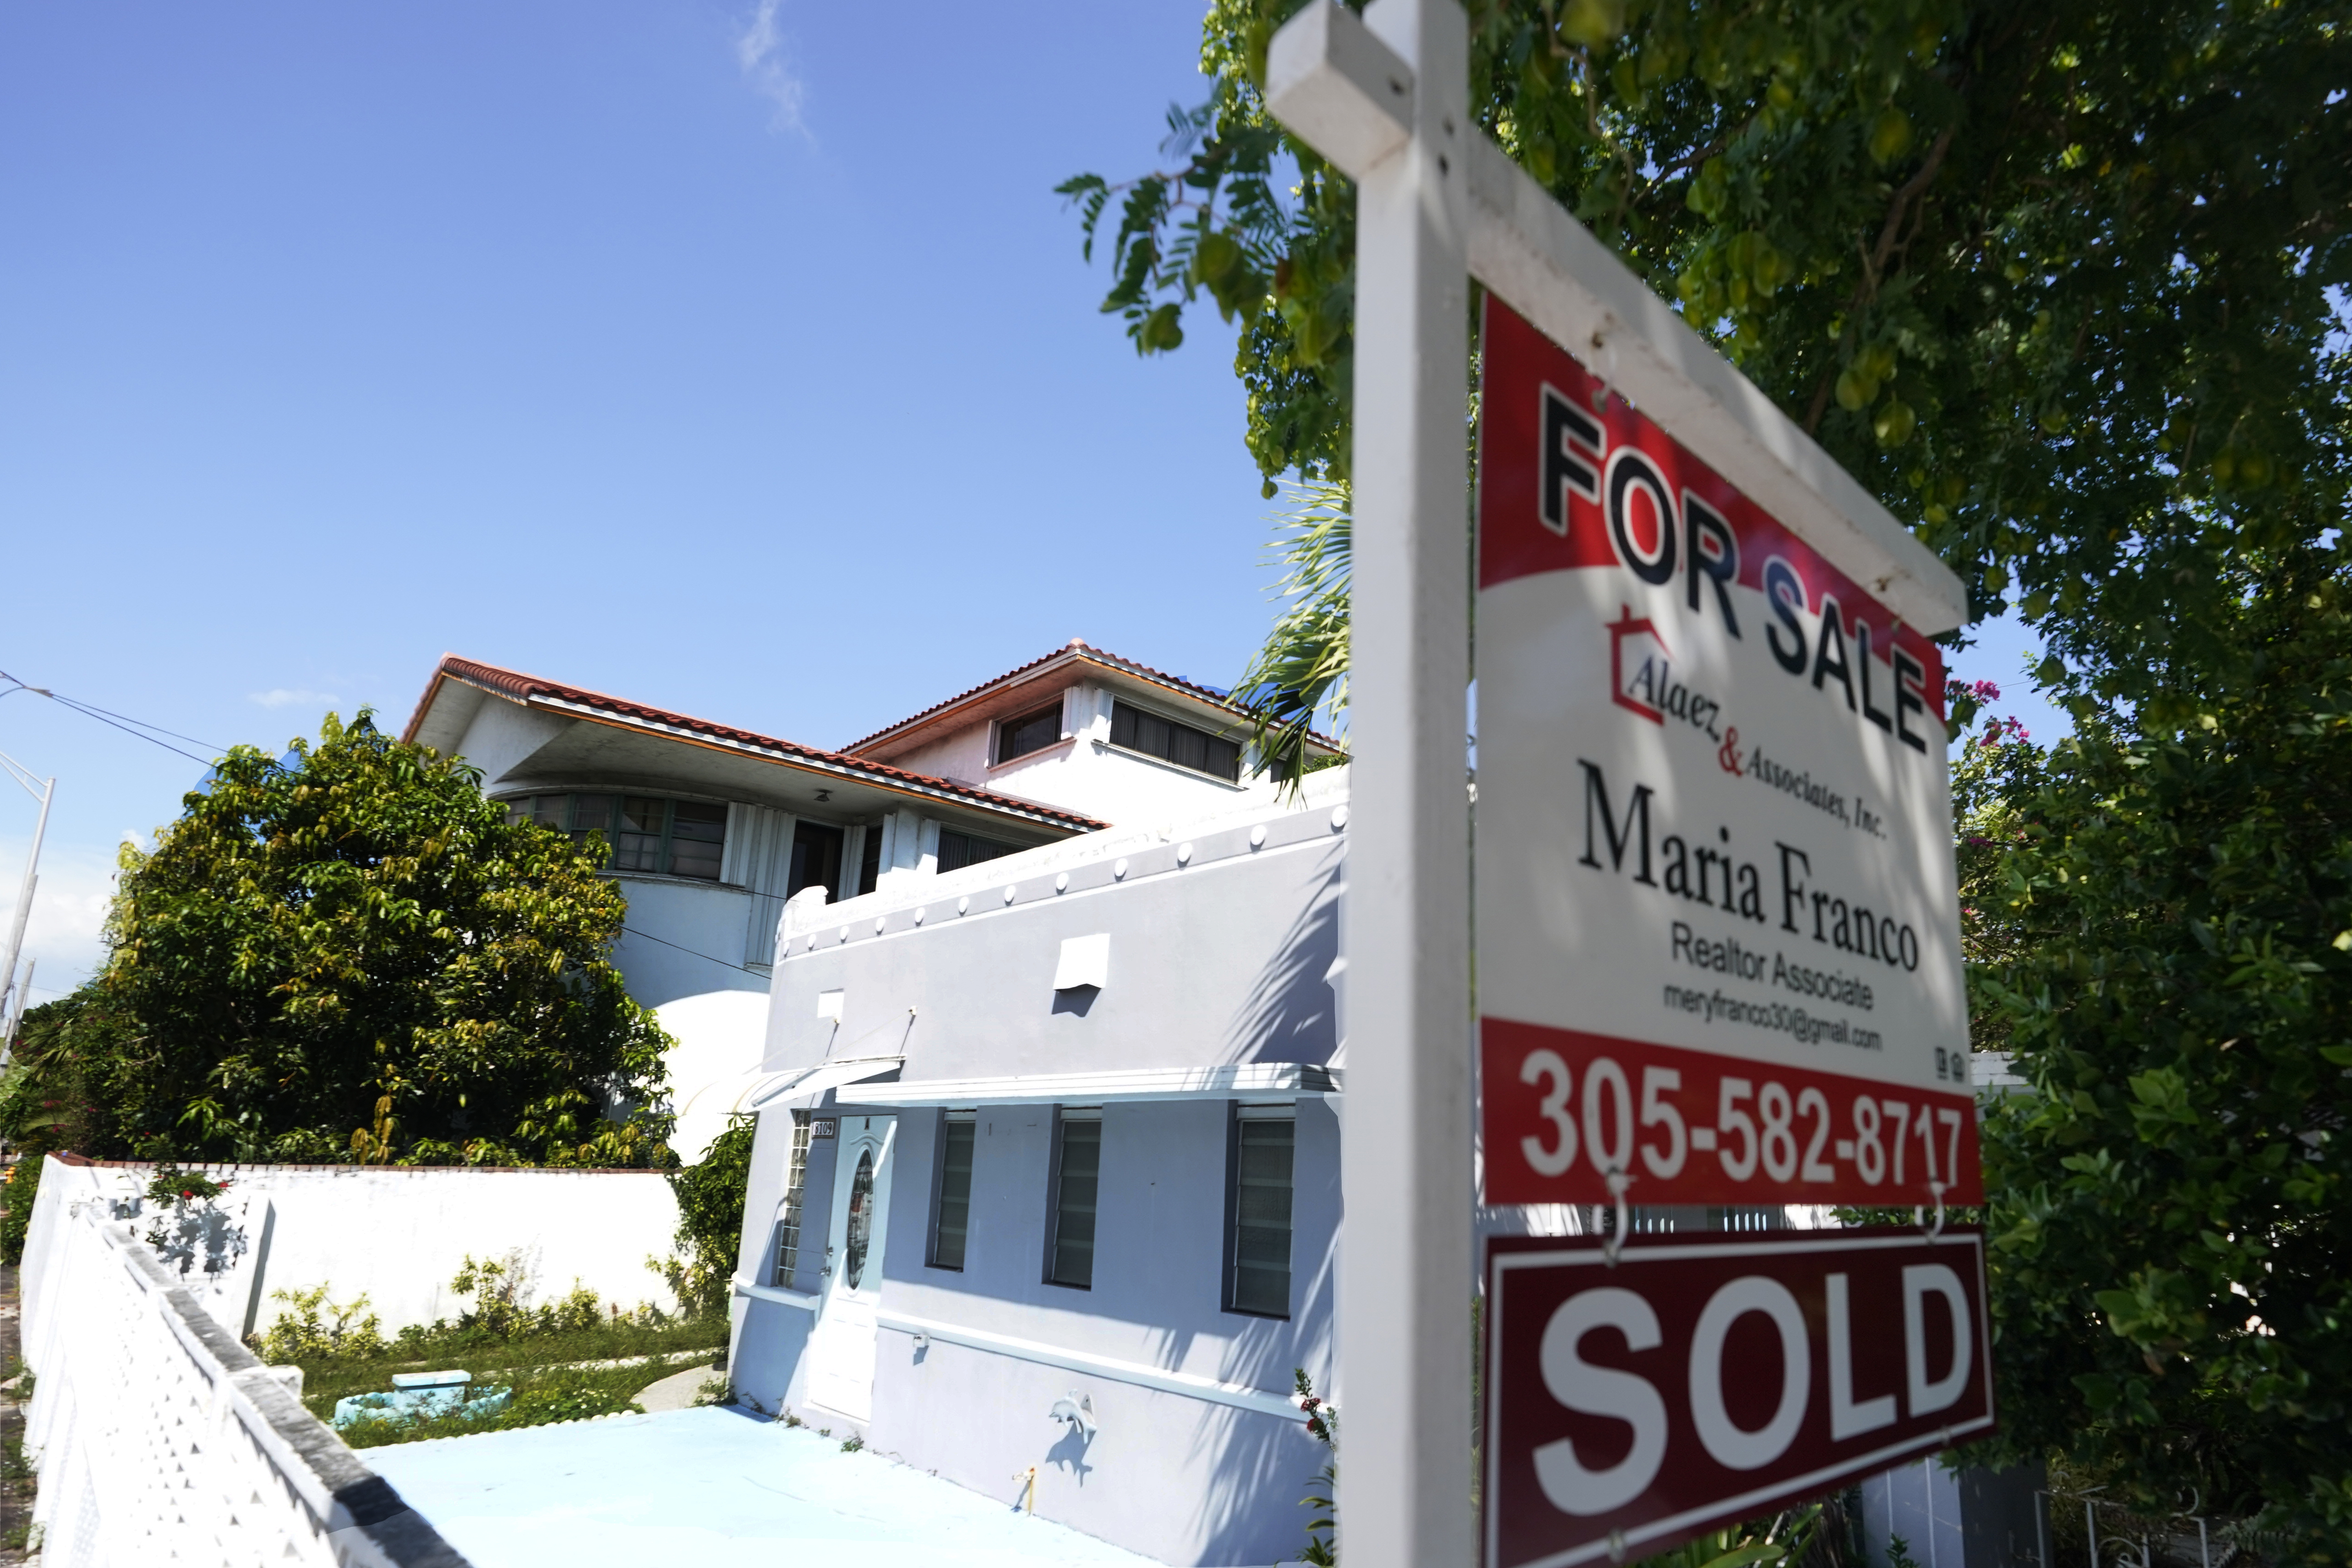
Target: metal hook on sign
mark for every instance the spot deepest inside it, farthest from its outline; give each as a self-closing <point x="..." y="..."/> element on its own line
<point x="1919" y="1216"/>
<point x="1618" y="1181"/>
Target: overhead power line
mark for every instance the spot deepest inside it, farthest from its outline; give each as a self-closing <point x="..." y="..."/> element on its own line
<point x="128" y="726"/>
<point x="667" y="943"/>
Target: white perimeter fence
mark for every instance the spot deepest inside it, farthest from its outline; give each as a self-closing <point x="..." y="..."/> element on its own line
<point x="159" y="1439"/>
<point x="396" y="1235"/>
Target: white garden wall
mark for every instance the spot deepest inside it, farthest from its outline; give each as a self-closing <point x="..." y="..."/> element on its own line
<point x="159" y="1440"/>
<point x="397" y="1235"/>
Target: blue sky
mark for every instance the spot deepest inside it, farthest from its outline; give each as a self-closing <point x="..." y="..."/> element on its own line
<point x="734" y="357"/>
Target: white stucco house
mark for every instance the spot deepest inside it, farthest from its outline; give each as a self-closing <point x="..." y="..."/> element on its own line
<point x="1044" y="1053"/>
<point x="714" y="828"/>
<point x="1046" y="1179"/>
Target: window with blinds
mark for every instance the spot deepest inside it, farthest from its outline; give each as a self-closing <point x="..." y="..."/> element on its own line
<point x="951" y="1197"/>
<point x="1078" y="1179"/>
<point x="1134" y="730"/>
<point x="1029" y="732"/>
<point x="958" y="851"/>
<point x="788" y="1219"/>
<point x="1257" y="1252"/>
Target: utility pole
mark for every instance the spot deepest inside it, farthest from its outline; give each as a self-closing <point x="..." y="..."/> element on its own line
<point x="15" y="1015"/>
<point x="12" y="1000"/>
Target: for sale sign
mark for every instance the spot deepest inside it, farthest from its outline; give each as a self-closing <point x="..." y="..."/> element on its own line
<point x="1704" y="1380"/>
<point x="1718" y="927"/>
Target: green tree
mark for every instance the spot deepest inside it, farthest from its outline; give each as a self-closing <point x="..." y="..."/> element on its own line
<point x="2060" y="282"/>
<point x="62" y="1090"/>
<point x="2052" y="279"/>
<point x="2161" y="930"/>
<point x="351" y="955"/>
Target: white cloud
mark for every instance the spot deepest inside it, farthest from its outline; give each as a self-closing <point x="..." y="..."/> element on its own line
<point x="759" y="50"/>
<point x="65" y="935"/>
<point x="293" y="697"/>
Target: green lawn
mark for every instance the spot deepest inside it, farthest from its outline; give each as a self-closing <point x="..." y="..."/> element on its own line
<point x="543" y="1370"/>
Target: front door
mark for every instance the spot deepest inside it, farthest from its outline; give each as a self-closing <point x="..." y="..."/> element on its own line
<point x="840" y="1346"/>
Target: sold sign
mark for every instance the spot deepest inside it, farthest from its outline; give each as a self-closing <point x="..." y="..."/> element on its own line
<point x="1632" y="1407"/>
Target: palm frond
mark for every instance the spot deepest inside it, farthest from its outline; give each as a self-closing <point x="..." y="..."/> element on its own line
<point x="1302" y="668"/>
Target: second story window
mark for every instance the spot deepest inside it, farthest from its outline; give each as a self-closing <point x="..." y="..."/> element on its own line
<point x="958" y="851"/>
<point x="1181" y="744"/>
<point x="869" y="862"/>
<point x="647" y="832"/>
<point x="1028" y="732"/>
<point x="816" y="859"/>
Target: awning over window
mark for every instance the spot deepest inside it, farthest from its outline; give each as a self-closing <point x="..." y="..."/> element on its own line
<point x="1232" y="1080"/>
<point x="798" y="1083"/>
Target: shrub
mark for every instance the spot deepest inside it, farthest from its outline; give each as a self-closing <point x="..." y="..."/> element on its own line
<point x="711" y="1195"/>
<point x="502" y="1289"/>
<point x="563" y="1397"/>
<point x="303" y="1331"/>
<point x="23" y="1185"/>
<point x="172" y="1185"/>
<point x="189" y="1228"/>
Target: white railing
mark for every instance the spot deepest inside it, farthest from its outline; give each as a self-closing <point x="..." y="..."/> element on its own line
<point x="159" y="1438"/>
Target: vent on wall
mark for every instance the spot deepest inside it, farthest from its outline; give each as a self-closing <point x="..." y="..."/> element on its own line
<point x="1085" y="962"/>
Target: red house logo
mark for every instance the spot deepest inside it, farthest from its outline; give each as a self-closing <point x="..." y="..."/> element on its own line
<point x="1638" y="666"/>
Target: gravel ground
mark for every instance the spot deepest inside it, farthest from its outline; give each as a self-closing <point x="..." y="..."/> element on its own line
<point x="15" y="1479"/>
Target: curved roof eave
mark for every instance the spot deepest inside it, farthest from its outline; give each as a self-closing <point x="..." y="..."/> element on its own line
<point x="578" y="702"/>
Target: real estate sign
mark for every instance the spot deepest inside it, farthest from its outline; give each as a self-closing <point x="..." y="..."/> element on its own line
<point x="1705" y="1379"/>
<point x="1717" y="942"/>
<point x="1716" y="916"/>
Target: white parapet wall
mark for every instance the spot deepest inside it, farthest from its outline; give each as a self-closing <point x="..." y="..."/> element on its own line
<point x="159" y="1438"/>
<point x="397" y="1235"/>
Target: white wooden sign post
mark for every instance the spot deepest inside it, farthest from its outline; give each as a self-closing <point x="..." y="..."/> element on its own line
<point x="1404" y="1328"/>
<point x="1383" y="98"/>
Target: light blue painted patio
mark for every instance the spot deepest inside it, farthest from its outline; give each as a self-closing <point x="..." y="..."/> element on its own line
<point x="714" y="1487"/>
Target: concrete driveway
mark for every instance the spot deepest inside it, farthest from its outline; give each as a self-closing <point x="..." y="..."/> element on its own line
<point x="714" y="1485"/>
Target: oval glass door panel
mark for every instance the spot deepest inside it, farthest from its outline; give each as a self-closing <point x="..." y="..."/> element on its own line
<point x="861" y="1220"/>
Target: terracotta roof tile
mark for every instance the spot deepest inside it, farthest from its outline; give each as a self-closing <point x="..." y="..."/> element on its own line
<point x="523" y="688"/>
<point x="1075" y="650"/>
